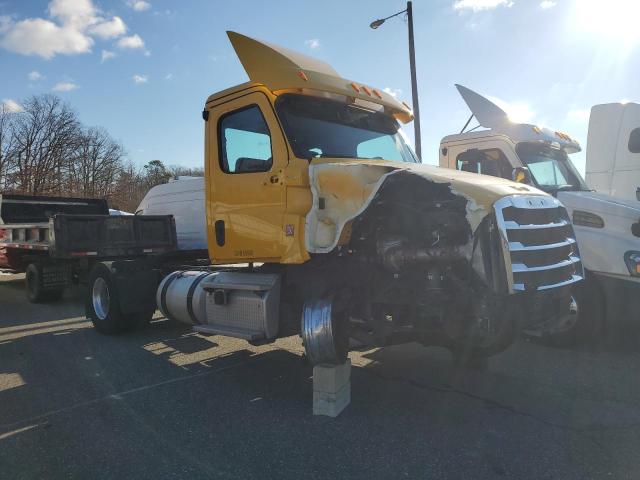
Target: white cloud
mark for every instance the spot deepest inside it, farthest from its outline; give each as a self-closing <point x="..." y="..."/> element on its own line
<point x="546" y="4"/>
<point x="70" y="29"/>
<point x="579" y="114"/>
<point x="312" y="43"/>
<point x="78" y="13"/>
<point x="139" y="79"/>
<point x="109" y="29"/>
<point x="36" y="36"/>
<point x="64" y="87"/>
<point x="34" y="76"/>
<point x="477" y="5"/>
<point x="139" y="5"/>
<point x="394" y="92"/>
<point x="11" y="106"/>
<point x="107" y="55"/>
<point x="132" y="42"/>
<point x="519" y="112"/>
<point x="168" y="76"/>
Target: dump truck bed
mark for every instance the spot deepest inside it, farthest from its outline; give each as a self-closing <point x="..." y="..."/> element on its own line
<point x="72" y="236"/>
<point x="70" y="228"/>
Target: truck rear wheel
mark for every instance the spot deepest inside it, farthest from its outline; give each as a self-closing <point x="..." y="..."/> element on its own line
<point x="102" y="304"/>
<point x="36" y="291"/>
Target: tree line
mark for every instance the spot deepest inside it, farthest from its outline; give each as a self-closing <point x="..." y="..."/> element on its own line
<point x="46" y="150"/>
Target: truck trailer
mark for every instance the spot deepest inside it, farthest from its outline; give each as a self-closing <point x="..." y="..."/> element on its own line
<point x="321" y="221"/>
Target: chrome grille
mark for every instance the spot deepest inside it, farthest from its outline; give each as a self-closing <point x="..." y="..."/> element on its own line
<point x="538" y="243"/>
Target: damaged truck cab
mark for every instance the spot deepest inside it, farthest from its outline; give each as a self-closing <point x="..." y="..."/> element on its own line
<point x="359" y="244"/>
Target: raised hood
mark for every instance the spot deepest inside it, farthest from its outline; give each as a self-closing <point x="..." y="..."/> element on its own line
<point x="491" y="116"/>
<point x="281" y="69"/>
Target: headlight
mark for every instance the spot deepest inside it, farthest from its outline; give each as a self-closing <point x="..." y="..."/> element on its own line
<point x="587" y="219"/>
<point x="632" y="259"/>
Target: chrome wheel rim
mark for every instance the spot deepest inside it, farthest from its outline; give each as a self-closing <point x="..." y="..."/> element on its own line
<point x="320" y="335"/>
<point x="100" y="298"/>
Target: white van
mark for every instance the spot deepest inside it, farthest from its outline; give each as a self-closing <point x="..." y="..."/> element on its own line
<point x="183" y="198"/>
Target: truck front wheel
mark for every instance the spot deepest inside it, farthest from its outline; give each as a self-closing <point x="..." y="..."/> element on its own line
<point x="36" y="291"/>
<point x="584" y="318"/>
<point x="323" y="333"/>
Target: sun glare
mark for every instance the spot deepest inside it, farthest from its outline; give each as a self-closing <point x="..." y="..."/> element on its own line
<point x="615" y="20"/>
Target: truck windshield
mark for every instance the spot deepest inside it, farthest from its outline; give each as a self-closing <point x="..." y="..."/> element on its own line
<point x="320" y="127"/>
<point x="550" y="168"/>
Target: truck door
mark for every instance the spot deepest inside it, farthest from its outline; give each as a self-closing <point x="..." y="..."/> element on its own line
<point x="246" y="198"/>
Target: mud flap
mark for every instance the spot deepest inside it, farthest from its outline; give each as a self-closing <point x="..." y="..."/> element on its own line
<point x="137" y="282"/>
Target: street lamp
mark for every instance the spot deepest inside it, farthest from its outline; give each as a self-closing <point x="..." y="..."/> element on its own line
<point x="412" y="64"/>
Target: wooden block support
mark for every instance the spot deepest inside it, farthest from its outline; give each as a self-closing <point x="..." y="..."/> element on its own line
<point x="331" y="389"/>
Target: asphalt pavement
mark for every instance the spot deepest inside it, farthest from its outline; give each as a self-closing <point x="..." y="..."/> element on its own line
<point x="167" y="403"/>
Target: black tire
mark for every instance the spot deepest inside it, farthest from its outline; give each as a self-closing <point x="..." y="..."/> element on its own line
<point x="36" y="293"/>
<point x="589" y="298"/>
<point x="475" y="345"/>
<point x="101" y="303"/>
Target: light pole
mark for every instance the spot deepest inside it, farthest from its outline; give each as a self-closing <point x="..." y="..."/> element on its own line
<point x="412" y="64"/>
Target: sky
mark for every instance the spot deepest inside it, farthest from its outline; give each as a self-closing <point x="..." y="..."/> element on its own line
<point x="144" y="68"/>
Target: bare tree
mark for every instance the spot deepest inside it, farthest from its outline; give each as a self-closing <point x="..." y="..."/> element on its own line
<point x="180" y="171"/>
<point x="45" y="136"/>
<point x="6" y="143"/>
<point x="94" y="168"/>
<point x="45" y="150"/>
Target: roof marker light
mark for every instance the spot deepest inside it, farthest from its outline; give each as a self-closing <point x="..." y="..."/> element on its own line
<point x="367" y="90"/>
<point x="303" y="75"/>
<point x="355" y="87"/>
<point x="537" y="130"/>
<point x="377" y="93"/>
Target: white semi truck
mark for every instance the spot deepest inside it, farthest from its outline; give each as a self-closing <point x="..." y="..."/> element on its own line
<point x="607" y="228"/>
<point x="613" y="150"/>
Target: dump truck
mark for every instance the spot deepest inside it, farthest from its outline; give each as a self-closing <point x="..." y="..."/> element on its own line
<point x="56" y="241"/>
<point x="321" y="221"/>
<point x="607" y="228"/>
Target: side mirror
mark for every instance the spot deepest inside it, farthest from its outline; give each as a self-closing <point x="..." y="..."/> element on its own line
<point x="521" y="175"/>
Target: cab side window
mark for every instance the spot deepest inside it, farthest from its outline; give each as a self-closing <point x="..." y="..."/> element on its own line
<point x="245" y="142"/>
<point x="488" y="162"/>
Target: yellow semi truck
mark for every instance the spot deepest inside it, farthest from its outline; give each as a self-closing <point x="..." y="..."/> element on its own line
<point x="322" y="222"/>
